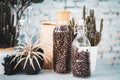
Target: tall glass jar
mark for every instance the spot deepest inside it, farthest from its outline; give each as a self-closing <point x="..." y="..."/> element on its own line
<point x="23" y="29"/>
<point x="80" y="52"/>
<point x="31" y="27"/>
<point x="62" y="48"/>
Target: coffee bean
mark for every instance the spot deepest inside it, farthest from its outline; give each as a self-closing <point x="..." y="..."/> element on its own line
<point x="80" y="63"/>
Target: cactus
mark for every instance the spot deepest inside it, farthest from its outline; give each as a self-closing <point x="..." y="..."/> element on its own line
<point x="10" y="10"/>
<point x="7" y="28"/>
<point x="90" y="23"/>
<point x="84" y="12"/>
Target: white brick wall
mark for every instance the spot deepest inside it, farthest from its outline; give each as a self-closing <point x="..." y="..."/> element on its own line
<point x="109" y="10"/>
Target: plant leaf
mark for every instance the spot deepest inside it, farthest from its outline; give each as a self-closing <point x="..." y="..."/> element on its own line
<point x="28" y="57"/>
<point x="36" y="42"/>
<point x="31" y="63"/>
<point x="37" y="55"/>
<point x="45" y="57"/>
<point x="22" y="44"/>
<point x="37" y="61"/>
<point x="14" y="58"/>
<point x="19" y="62"/>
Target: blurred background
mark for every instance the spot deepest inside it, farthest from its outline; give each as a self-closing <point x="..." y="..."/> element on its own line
<point x="109" y="10"/>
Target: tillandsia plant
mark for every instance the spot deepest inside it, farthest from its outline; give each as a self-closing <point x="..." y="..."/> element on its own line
<point x="30" y="57"/>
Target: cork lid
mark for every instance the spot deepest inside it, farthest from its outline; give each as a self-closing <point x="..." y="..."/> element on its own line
<point x="63" y="15"/>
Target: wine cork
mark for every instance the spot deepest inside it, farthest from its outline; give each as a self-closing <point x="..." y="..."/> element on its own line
<point x="63" y="15"/>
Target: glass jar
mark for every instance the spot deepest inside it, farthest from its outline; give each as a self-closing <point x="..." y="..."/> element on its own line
<point x="62" y="48"/>
<point x="22" y="29"/>
<point x="27" y="25"/>
<point x="80" y="52"/>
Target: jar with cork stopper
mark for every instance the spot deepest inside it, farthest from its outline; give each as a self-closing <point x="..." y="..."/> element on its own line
<point x="62" y="40"/>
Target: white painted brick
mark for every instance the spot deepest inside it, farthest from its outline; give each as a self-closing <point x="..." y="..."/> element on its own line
<point x="105" y="4"/>
<point x="58" y="5"/>
<point x="104" y="49"/>
<point x="115" y="9"/>
<point x="70" y="3"/>
<point x="110" y="56"/>
<point x="42" y="17"/>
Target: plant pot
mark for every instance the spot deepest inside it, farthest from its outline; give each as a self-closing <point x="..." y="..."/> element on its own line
<point x="47" y="46"/>
<point x="93" y="57"/>
<point x="29" y="69"/>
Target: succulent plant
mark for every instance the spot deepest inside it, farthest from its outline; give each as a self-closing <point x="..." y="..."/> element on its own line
<point x="30" y="54"/>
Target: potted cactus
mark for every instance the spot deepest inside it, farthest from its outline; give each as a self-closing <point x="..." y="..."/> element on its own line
<point x="92" y="34"/>
<point x="30" y="57"/>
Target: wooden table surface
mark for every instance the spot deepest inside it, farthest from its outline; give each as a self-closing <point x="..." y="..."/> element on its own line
<point x="103" y="72"/>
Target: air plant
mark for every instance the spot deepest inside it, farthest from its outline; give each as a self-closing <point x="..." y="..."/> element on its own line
<point x="30" y="56"/>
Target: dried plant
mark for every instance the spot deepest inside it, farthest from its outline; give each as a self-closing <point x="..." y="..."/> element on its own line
<point x="28" y="52"/>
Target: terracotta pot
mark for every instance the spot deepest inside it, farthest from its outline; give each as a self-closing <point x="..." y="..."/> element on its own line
<point x="46" y="39"/>
<point x="29" y="69"/>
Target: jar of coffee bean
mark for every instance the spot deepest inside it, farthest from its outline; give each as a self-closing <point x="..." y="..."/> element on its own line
<point x="62" y="42"/>
<point x="80" y="52"/>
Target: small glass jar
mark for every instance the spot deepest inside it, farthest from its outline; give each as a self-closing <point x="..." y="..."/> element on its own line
<point x="62" y="41"/>
<point x="80" y="52"/>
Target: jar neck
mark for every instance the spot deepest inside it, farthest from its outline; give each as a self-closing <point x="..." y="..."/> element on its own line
<point x="62" y="23"/>
<point x="80" y="34"/>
